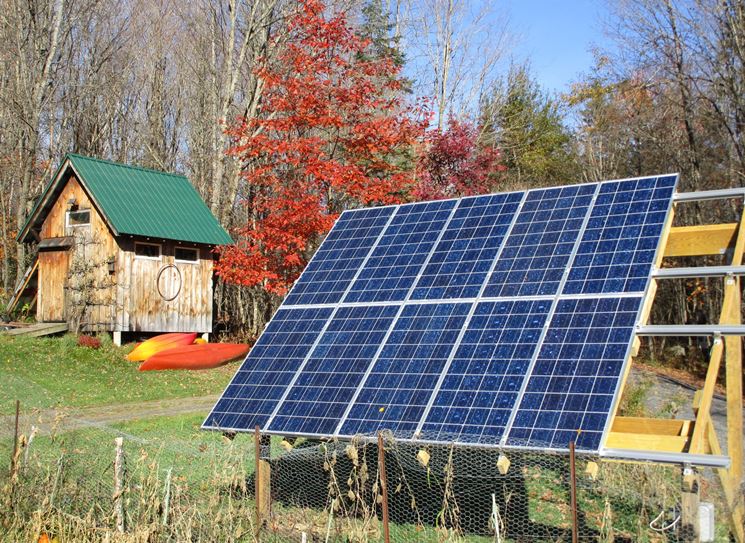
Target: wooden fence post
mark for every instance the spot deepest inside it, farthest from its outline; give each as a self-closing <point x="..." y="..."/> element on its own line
<point x="383" y="488"/>
<point x="119" y="484"/>
<point x="262" y="479"/>
<point x="573" y="492"/>
<point x="167" y="497"/>
<point x="14" y="452"/>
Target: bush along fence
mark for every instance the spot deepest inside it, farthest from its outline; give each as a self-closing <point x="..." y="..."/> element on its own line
<point x="93" y="485"/>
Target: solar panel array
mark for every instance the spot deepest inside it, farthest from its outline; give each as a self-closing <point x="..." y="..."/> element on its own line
<point x="501" y="320"/>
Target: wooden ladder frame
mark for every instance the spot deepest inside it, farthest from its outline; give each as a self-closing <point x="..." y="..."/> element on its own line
<point x="697" y="436"/>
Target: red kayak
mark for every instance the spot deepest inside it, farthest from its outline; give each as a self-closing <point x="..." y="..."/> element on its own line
<point x="195" y="357"/>
<point x="160" y="343"/>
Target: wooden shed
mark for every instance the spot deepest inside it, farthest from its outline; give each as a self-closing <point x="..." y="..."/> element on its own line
<point x="123" y="249"/>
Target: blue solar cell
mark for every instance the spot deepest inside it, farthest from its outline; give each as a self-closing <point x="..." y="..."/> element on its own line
<point x="538" y="250"/>
<point x="571" y="389"/>
<point x="620" y="241"/>
<point x="463" y="257"/>
<point x="401" y="253"/>
<point x="328" y="274"/>
<point x="257" y="387"/>
<point x="404" y="375"/>
<point x="481" y="386"/>
<point x="327" y="382"/>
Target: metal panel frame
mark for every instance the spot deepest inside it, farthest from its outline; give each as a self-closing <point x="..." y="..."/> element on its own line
<point x="684" y="330"/>
<point x="308" y="356"/>
<point x="700" y="271"/>
<point x="700" y="196"/>
<point x="556" y="298"/>
<point x="467" y="321"/>
<point x="395" y="320"/>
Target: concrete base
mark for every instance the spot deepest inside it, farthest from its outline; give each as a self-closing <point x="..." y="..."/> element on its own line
<point x="116" y="337"/>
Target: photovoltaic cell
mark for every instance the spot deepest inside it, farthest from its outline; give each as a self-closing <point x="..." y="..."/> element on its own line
<point x="481" y="386"/>
<point x="538" y="249"/>
<point x="257" y="387"/>
<point x="463" y="257"/>
<point x="328" y="380"/>
<point x="404" y="375"/>
<point x="571" y="389"/>
<point x="401" y="253"/>
<point x="619" y="244"/>
<point x="328" y="274"/>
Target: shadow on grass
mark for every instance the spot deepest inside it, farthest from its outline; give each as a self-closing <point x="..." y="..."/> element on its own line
<point x="532" y="498"/>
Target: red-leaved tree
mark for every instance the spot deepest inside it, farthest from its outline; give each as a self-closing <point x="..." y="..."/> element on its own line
<point x="332" y="133"/>
<point x="455" y="164"/>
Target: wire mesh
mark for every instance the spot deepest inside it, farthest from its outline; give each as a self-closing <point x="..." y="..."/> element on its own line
<point x="178" y="490"/>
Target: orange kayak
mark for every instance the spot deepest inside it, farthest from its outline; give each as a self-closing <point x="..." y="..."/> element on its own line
<point x="195" y="357"/>
<point x="156" y="344"/>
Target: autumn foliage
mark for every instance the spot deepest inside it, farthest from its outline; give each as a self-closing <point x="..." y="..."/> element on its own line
<point x="455" y="164"/>
<point x="332" y="133"/>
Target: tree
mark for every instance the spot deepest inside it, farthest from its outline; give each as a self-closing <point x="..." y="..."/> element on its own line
<point x="455" y="46"/>
<point x="527" y="126"/>
<point x="325" y="138"/>
<point x="455" y="164"/>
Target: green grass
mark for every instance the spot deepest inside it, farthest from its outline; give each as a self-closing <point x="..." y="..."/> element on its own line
<point x="171" y="442"/>
<point x="49" y="372"/>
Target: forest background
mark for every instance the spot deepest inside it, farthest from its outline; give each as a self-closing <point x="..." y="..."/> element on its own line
<point x="283" y="113"/>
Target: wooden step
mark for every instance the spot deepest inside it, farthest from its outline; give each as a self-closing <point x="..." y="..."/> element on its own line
<point x="39" y="329"/>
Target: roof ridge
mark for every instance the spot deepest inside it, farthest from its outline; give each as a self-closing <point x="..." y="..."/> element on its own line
<point x="123" y="165"/>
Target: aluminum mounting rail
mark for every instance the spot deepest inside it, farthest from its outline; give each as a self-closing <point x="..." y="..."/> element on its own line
<point x="707" y="460"/>
<point x="700" y="196"/>
<point x="683" y="330"/>
<point x="700" y="271"/>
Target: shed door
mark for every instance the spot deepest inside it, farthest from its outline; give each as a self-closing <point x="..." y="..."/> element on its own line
<point x="53" y="269"/>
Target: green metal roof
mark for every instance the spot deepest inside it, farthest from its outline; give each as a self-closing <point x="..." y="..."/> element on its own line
<point x="138" y="201"/>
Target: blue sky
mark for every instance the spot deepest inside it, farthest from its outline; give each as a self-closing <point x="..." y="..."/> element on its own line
<point x="557" y="37"/>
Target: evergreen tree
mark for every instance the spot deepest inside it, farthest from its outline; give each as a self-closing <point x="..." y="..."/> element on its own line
<point x="526" y="125"/>
<point x="377" y="28"/>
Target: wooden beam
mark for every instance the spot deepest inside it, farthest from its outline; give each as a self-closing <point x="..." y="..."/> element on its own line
<point x="708" y="239"/>
<point x="706" y="397"/>
<point x="646" y="442"/>
<point x="735" y="499"/>
<point x="643" y="425"/>
<point x="730" y="314"/>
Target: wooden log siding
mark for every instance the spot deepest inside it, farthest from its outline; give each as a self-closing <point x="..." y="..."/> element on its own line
<point x="133" y="303"/>
<point x="54" y="265"/>
<point x="142" y="306"/>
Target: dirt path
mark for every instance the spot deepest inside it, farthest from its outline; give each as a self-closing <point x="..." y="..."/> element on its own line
<point x="62" y="419"/>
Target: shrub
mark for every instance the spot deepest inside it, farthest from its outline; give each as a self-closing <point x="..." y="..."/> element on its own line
<point x="89" y="341"/>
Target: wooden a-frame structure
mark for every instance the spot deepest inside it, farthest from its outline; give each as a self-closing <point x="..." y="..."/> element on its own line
<point x="695" y="442"/>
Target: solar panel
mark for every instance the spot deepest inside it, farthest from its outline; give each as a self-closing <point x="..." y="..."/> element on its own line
<point x="318" y="398"/>
<point x="502" y="320"/>
<point x="403" y="248"/>
<point x="480" y="388"/>
<point x="252" y="395"/>
<point x="573" y="383"/>
<point x="402" y="378"/>
<point x="621" y="238"/>
<point x="461" y="261"/>
<point x="327" y="276"/>
<point x="538" y="249"/>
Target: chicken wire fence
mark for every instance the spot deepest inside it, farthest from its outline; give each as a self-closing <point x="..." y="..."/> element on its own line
<point x="69" y="483"/>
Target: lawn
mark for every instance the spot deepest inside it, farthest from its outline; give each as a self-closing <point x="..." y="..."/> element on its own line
<point x="49" y="372"/>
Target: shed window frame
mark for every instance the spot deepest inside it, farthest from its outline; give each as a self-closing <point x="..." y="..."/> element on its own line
<point x="193" y="250"/>
<point x="145" y="257"/>
<point x="68" y="224"/>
